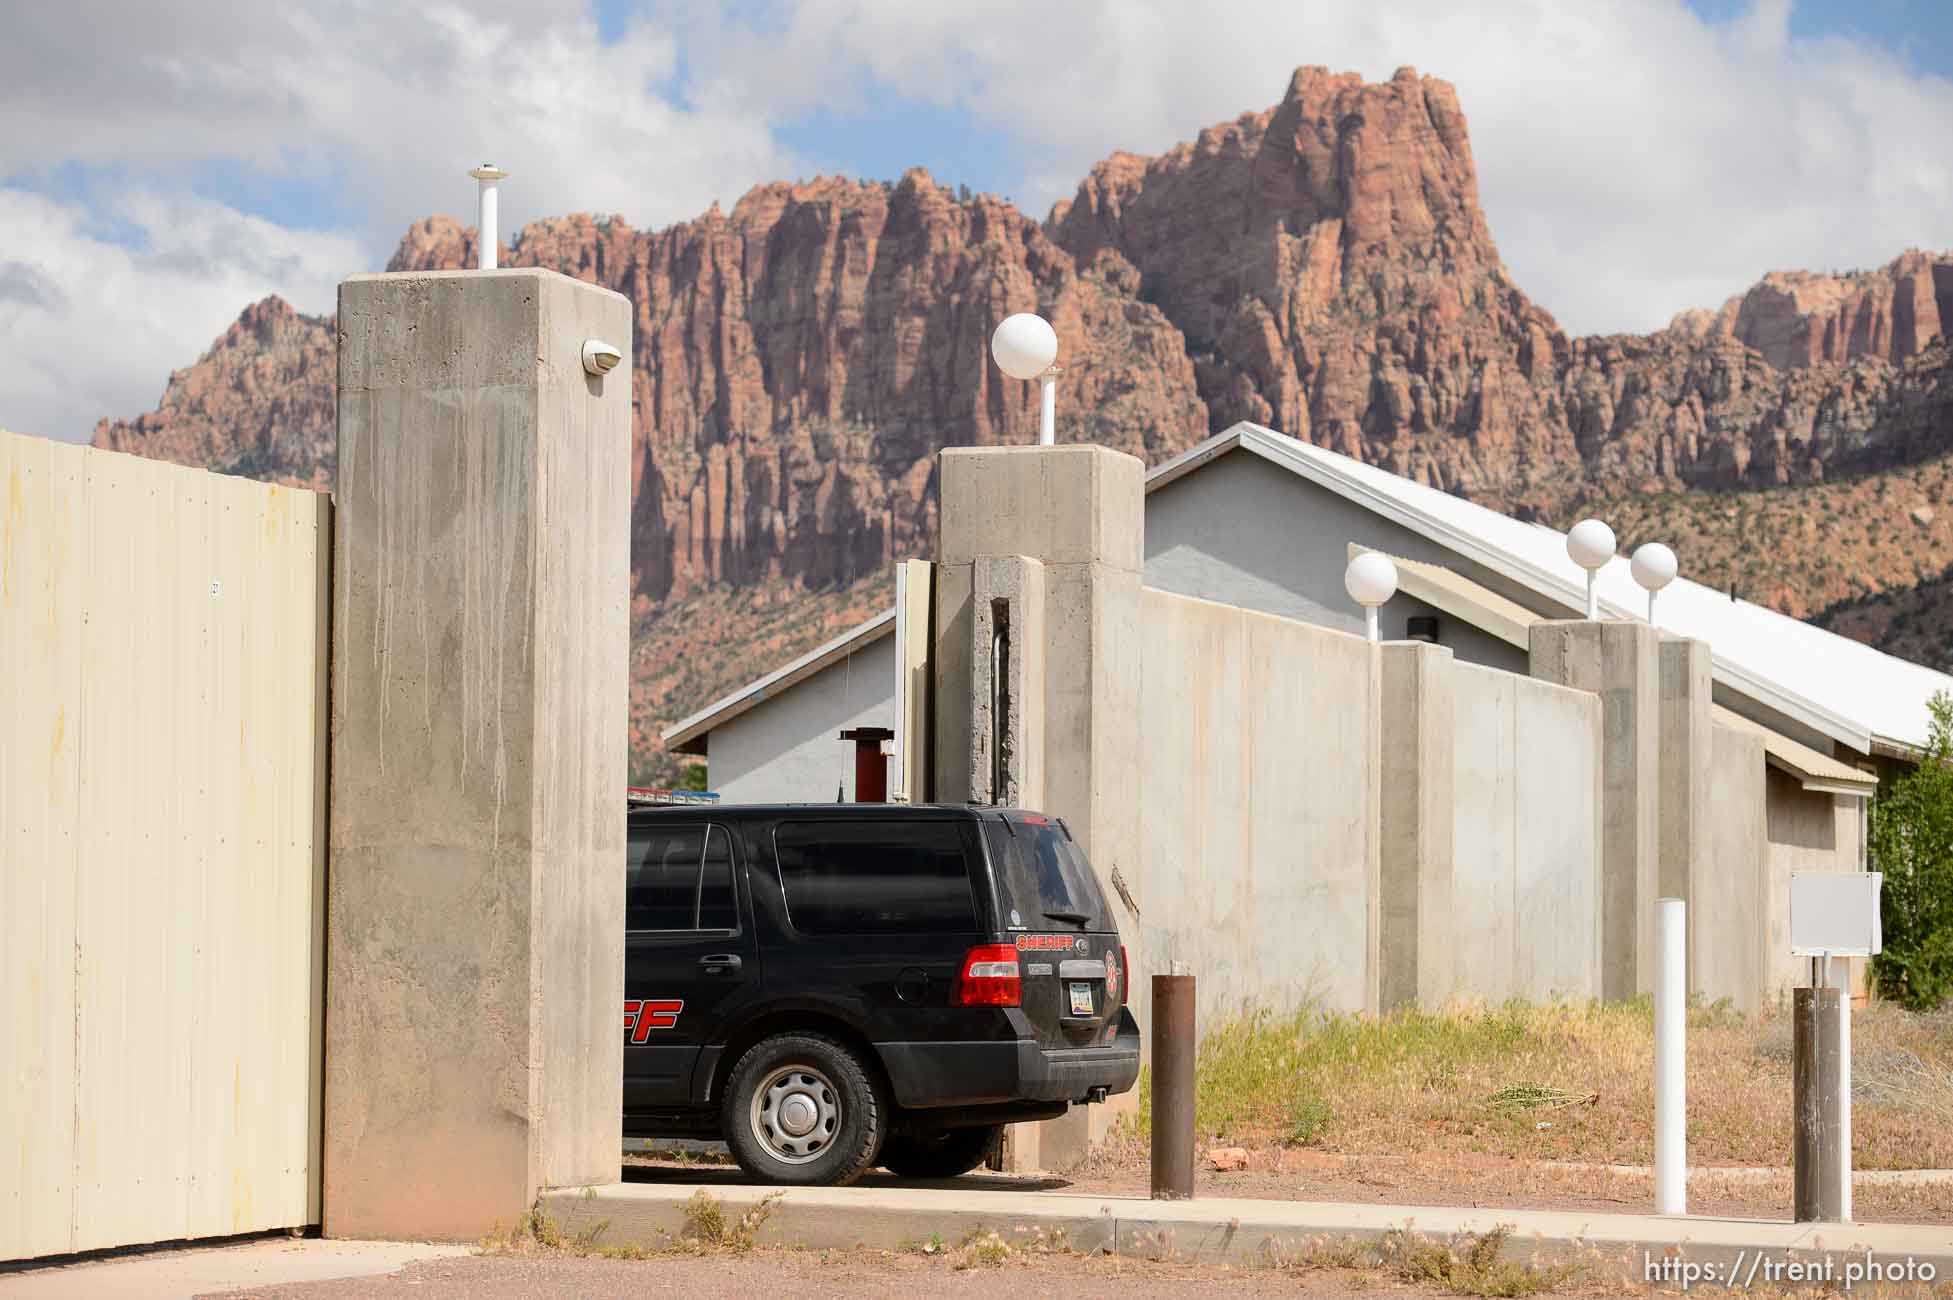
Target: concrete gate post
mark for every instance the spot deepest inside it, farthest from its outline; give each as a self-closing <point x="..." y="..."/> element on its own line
<point x="474" y="969"/>
<point x="1078" y="512"/>
<point x="1619" y="660"/>
<point x="1417" y="931"/>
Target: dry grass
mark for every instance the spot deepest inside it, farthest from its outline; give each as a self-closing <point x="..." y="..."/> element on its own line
<point x="1559" y="1083"/>
<point x="1471" y="1264"/>
<point x="707" y="1230"/>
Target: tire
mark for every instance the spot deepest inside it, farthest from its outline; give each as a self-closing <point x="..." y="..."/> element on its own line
<point x="944" y="1153"/>
<point x="802" y="1109"/>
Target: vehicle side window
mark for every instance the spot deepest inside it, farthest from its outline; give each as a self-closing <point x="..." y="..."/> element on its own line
<point x="679" y="878"/>
<point x="716" y="908"/>
<point x="872" y="877"/>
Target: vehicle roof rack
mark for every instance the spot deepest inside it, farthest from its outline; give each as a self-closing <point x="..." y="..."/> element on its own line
<point x="644" y="796"/>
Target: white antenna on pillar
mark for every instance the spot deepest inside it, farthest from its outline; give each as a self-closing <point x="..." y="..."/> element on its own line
<point x="1370" y="579"/>
<point x="1654" y="568"/>
<point x="1590" y="545"/>
<point x="1026" y="347"/>
<point x="487" y="176"/>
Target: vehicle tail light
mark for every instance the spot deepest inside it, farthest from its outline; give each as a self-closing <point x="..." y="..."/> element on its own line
<point x="1125" y="978"/>
<point x="990" y="978"/>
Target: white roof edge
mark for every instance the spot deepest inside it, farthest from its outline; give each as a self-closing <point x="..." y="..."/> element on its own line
<point x="1279" y="448"/>
<point x="1195" y="456"/>
<point x="728" y="707"/>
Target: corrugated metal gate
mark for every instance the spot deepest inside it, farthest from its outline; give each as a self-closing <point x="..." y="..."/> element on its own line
<point x="163" y="644"/>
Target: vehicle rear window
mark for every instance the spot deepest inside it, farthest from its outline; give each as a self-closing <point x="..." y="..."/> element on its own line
<point x="876" y="877"/>
<point x="678" y="877"/>
<point x="1046" y="881"/>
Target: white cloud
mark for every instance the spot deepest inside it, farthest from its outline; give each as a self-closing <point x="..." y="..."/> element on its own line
<point x="89" y="327"/>
<point x="389" y="103"/>
<point x="1633" y="159"/>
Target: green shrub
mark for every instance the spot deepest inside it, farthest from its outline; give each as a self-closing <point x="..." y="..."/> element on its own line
<point x="1912" y="843"/>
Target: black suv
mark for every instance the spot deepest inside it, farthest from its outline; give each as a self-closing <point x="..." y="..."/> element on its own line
<point x="829" y="987"/>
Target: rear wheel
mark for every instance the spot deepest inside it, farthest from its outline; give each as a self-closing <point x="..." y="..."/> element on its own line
<point x="801" y="1108"/>
<point x="944" y="1153"/>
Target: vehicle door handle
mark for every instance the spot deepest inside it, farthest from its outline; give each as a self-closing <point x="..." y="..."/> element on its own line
<point x="721" y="963"/>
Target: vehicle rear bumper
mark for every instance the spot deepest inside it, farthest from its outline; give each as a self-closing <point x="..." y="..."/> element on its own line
<point x="985" y="1073"/>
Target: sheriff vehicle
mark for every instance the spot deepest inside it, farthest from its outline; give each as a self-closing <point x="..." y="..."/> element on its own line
<point x="832" y="987"/>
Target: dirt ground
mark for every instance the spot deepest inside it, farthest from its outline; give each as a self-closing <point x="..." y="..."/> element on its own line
<point x="780" y="1273"/>
<point x="774" y="1273"/>
<point x="1468" y="1180"/>
<point x="1299" y="1175"/>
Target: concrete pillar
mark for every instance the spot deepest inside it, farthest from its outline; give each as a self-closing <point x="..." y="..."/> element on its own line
<point x="1417" y="934"/>
<point x="1619" y="660"/>
<point x="480" y="632"/>
<point x="1079" y="512"/>
<point x="1006" y="696"/>
<point x="1687" y="761"/>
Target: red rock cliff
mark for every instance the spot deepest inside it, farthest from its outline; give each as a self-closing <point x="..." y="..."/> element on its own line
<point x="800" y="361"/>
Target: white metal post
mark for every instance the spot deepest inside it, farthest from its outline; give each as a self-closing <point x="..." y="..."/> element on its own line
<point x="1593" y="595"/>
<point x="1841" y="972"/>
<point x="487" y="177"/>
<point x="1048" y="407"/>
<point x="1370" y="622"/>
<point x="1671" y="1056"/>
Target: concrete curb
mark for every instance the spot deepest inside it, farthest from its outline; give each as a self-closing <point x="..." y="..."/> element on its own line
<point x="1239" y="1231"/>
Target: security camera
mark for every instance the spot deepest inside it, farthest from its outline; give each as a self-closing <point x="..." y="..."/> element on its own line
<point x="599" y="357"/>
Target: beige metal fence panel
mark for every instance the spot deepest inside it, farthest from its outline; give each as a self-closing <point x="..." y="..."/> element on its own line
<point x="40" y="636"/>
<point x="195" y="878"/>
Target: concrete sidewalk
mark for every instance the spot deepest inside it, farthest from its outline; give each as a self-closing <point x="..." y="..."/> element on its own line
<point x="1233" y="1230"/>
<point x="170" y="1272"/>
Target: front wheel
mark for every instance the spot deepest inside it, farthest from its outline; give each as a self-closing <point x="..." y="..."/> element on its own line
<point x="802" y="1109"/>
<point x="944" y="1153"/>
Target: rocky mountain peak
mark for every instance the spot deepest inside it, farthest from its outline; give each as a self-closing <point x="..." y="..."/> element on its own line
<point x="1805" y="318"/>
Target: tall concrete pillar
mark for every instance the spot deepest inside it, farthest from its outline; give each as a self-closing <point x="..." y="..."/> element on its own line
<point x="1619" y="660"/>
<point x="1416" y="944"/>
<point x="1079" y="512"/>
<point x="474" y="968"/>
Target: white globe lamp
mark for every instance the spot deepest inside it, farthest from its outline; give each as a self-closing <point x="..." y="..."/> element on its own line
<point x="1653" y="565"/>
<point x="1026" y="347"/>
<point x="1370" y="579"/>
<point x="1590" y="544"/>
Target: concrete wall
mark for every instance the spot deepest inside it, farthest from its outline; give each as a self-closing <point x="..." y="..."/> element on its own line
<point x="480" y="687"/>
<point x="1245" y="532"/>
<point x="1255" y="806"/>
<point x="162" y="849"/>
<point x="1619" y="660"/>
<point x="788" y="749"/>
<point x="1730" y="901"/>
<point x="1525" y="893"/>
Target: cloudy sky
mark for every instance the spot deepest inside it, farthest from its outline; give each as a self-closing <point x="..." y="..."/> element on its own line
<point x="162" y="165"/>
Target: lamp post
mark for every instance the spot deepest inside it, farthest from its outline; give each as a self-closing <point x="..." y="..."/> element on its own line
<point x="1370" y="579"/>
<point x="1653" y="566"/>
<point x="1590" y="544"/>
<point x="487" y="176"/>
<point x="1026" y="347"/>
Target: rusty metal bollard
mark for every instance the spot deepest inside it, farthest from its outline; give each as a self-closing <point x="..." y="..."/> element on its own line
<point x="1174" y="1044"/>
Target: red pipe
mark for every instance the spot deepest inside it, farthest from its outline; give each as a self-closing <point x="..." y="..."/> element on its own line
<point x="870" y="764"/>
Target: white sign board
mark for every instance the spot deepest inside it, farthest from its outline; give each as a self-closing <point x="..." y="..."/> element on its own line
<point x="1835" y="913"/>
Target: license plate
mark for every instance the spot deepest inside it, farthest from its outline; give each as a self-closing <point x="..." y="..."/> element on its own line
<point x="1081" y="999"/>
